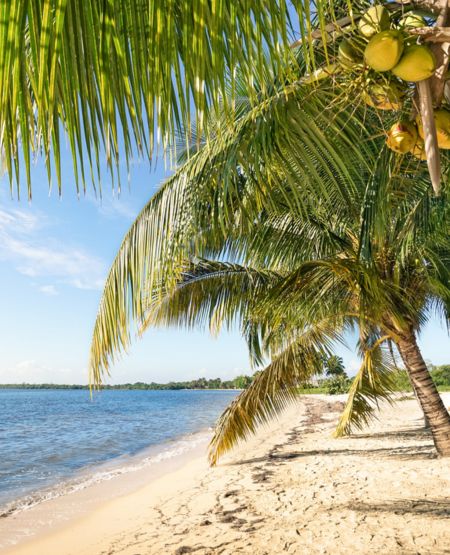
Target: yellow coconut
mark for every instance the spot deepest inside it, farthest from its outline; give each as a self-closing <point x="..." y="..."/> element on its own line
<point x="375" y="19"/>
<point x="384" y="50"/>
<point x="348" y="55"/>
<point x="384" y="97"/>
<point x="418" y="150"/>
<point x="412" y="20"/>
<point x="442" y="122"/>
<point x="402" y="137"/>
<point x="416" y="64"/>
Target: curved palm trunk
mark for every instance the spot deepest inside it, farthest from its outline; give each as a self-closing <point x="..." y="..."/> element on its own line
<point x="425" y="419"/>
<point x="429" y="398"/>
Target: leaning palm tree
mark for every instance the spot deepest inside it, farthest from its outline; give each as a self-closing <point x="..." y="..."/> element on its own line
<point x="110" y="72"/>
<point x="315" y="244"/>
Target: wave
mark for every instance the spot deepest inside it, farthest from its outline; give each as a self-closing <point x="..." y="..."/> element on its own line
<point x="113" y="469"/>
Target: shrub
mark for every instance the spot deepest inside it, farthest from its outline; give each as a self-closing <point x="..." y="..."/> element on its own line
<point x="337" y="385"/>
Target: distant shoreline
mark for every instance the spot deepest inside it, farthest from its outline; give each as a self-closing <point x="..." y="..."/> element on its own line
<point x="122" y="387"/>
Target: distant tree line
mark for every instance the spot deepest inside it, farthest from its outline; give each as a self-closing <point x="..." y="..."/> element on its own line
<point x="240" y="382"/>
<point x="334" y="380"/>
<point x="440" y="375"/>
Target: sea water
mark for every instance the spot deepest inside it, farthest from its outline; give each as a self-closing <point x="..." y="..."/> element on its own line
<point x="54" y="442"/>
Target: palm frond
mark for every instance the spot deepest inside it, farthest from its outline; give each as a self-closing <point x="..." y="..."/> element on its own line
<point x="273" y="388"/>
<point x="227" y="184"/>
<point x="372" y="383"/>
<point x="132" y="72"/>
<point x="208" y="292"/>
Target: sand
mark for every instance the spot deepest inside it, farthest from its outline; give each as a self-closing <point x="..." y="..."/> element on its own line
<point x="290" y="489"/>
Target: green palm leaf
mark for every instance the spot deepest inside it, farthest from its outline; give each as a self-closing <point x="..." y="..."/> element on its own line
<point x="240" y="171"/>
<point x="128" y="71"/>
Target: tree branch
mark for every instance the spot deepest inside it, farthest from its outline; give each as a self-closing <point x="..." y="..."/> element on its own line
<point x="341" y="24"/>
<point x="432" y="34"/>
<point x="430" y="137"/>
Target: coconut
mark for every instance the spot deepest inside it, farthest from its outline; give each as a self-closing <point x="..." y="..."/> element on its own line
<point x="442" y="122"/>
<point x="402" y="137"/>
<point x="375" y="19"/>
<point x="348" y="55"/>
<point x="416" y="64"/>
<point x="384" y="50"/>
<point x="384" y="97"/>
<point x="412" y="20"/>
<point x="418" y="150"/>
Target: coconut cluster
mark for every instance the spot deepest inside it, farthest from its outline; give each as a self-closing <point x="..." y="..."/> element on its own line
<point x="383" y="48"/>
<point x="408" y="136"/>
<point x="385" y="45"/>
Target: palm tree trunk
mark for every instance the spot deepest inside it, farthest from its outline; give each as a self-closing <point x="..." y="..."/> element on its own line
<point x="429" y="398"/>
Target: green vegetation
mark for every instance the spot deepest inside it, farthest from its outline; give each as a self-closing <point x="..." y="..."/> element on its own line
<point x="400" y="381"/>
<point x="334" y="366"/>
<point x="240" y="382"/>
<point x="339" y="383"/>
<point x="439" y="374"/>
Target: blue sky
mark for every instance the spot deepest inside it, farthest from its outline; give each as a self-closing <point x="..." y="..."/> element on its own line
<point x="54" y="256"/>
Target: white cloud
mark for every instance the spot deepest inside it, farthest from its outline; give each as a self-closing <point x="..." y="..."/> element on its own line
<point x="19" y="220"/>
<point x="33" y="371"/>
<point x="49" y="290"/>
<point x="34" y="255"/>
<point x="114" y="207"/>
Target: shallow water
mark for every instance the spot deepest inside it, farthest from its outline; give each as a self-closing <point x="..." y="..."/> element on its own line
<point x="57" y="441"/>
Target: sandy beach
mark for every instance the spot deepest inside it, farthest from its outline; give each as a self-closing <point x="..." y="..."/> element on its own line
<point x="290" y="489"/>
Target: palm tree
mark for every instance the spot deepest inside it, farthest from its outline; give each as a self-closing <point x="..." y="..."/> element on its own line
<point x="334" y="366"/>
<point x="288" y="159"/>
<point x="268" y="227"/>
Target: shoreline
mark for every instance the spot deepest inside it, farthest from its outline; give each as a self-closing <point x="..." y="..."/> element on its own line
<point x="380" y="491"/>
<point x="94" y="485"/>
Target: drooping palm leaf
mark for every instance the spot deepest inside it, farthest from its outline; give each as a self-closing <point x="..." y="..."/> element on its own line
<point x="372" y="383"/>
<point x="209" y="293"/>
<point x="111" y="71"/>
<point x="273" y="388"/>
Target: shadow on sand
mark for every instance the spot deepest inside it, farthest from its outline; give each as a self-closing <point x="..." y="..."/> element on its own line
<point x="399" y="453"/>
<point x="433" y="507"/>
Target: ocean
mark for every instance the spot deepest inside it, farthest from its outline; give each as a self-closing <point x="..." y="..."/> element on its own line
<point x="54" y="442"/>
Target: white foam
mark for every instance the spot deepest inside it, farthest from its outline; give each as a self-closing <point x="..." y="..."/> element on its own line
<point x="111" y="470"/>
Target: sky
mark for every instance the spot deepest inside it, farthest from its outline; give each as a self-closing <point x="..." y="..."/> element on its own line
<point x="54" y="257"/>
